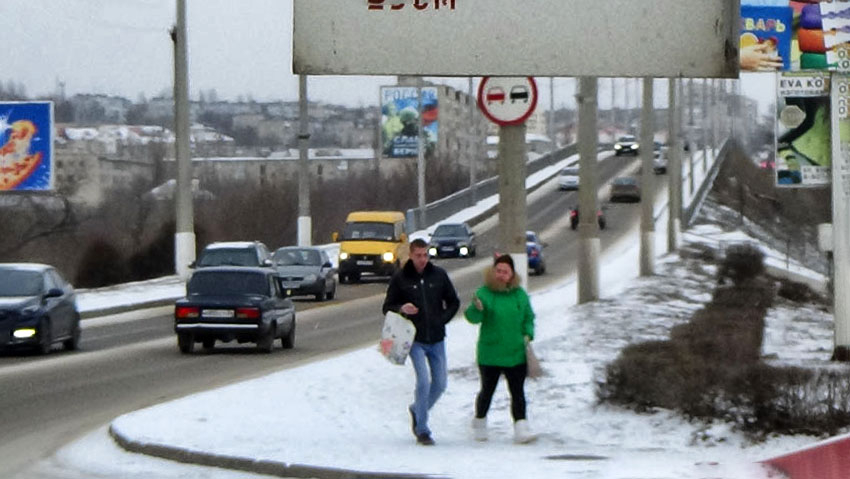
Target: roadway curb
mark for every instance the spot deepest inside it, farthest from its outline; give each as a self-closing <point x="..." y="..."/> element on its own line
<point x="256" y="466"/>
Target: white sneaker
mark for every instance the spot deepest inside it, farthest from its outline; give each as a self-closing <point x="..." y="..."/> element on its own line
<point x="522" y="432"/>
<point x="479" y="429"/>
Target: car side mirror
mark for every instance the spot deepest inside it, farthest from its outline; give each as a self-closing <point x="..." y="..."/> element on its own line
<point x="335" y="236"/>
<point x="267" y="262"/>
<point x="192" y="265"/>
<point x="54" y="293"/>
<point x="327" y="265"/>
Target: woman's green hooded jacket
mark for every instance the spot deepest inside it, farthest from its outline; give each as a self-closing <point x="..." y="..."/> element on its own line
<point x="507" y="318"/>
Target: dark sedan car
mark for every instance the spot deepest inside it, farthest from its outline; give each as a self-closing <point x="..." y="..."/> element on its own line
<point x="234" y="303"/>
<point x="305" y="272"/>
<point x="38" y="308"/>
<point x="453" y="240"/>
<point x="625" y="188"/>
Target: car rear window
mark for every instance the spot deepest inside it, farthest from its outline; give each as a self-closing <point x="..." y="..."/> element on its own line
<point x="227" y="283"/>
<point x="297" y="257"/>
<point x="20" y="283"/>
<point x="228" y="257"/>
<point x="569" y="172"/>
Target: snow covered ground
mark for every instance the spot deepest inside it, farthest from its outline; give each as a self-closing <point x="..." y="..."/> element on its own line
<point x="350" y="412"/>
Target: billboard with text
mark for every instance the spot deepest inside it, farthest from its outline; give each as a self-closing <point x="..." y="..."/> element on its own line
<point x="400" y="120"/>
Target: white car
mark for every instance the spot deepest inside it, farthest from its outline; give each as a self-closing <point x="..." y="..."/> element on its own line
<point x="568" y="179"/>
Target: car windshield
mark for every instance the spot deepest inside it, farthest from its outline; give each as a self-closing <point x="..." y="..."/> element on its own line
<point x="569" y="172"/>
<point x="228" y="257"/>
<point x="450" y="230"/>
<point x="368" y="231"/>
<point x="625" y="181"/>
<point x="297" y="257"/>
<point x="227" y="283"/>
<point x="531" y="238"/>
<point x="20" y="283"/>
<point x="626" y="139"/>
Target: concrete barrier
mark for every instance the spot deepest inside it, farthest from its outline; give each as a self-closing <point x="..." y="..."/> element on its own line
<point x="829" y="459"/>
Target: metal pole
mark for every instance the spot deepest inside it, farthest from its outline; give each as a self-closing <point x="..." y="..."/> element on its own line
<point x="305" y="227"/>
<point x="473" y="145"/>
<point x="184" y="239"/>
<point x="690" y="136"/>
<point x="674" y="167"/>
<point x="714" y="118"/>
<point x="613" y="111"/>
<point x="512" y="201"/>
<point x="420" y="159"/>
<point x="840" y="225"/>
<point x="705" y="139"/>
<point x="647" y="181"/>
<point x="551" y="125"/>
<point x="588" y="258"/>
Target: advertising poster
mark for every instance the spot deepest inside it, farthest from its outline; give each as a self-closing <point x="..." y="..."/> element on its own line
<point x="803" y="151"/>
<point x="765" y="43"/>
<point x="26" y="146"/>
<point x="400" y="120"/>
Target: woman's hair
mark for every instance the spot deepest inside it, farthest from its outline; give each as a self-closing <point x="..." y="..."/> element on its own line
<point x="505" y="258"/>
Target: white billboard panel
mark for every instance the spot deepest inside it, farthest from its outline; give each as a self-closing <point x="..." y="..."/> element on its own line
<point x="656" y="38"/>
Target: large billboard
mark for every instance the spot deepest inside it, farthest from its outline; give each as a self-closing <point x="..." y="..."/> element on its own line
<point x="619" y="38"/>
<point x="783" y="35"/>
<point x="26" y="146"/>
<point x="803" y="148"/>
<point x="400" y="120"/>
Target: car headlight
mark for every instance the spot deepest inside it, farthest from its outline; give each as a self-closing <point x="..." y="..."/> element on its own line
<point x="464" y="251"/>
<point x="310" y="278"/>
<point x="24" y="333"/>
<point x="432" y="251"/>
<point x="388" y="257"/>
<point x="618" y="147"/>
<point x="635" y="146"/>
<point x="343" y="256"/>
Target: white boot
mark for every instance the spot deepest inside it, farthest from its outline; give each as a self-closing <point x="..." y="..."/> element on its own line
<point x="522" y="432"/>
<point x="479" y="429"/>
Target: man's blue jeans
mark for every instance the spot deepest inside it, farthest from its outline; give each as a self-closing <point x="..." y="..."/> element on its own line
<point x="429" y="387"/>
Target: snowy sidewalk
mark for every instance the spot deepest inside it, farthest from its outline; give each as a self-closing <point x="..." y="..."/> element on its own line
<point x="349" y="413"/>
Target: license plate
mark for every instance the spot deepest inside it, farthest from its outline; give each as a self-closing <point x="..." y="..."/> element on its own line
<point x="217" y="313"/>
<point x="364" y="262"/>
<point x="447" y="248"/>
<point x="290" y="285"/>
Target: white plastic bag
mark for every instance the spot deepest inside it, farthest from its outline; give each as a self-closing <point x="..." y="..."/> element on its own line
<point x="534" y="369"/>
<point x="396" y="338"/>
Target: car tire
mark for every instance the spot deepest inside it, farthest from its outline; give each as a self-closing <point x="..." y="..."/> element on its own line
<point x="266" y="342"/>
<point x="45" y="338"/>
<point x="288" y="341"/>
<point x="332" y="293"/>
<point x="208" y="343"/>
<point x="73" y="343"/>
<point x="186" y="343"/>
<point x="354" y="278"/>
<point x="320" y="296"/>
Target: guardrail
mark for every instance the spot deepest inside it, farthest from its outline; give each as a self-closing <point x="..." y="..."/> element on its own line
<point x="445" y="207"/>
<point x="689" y="212"/>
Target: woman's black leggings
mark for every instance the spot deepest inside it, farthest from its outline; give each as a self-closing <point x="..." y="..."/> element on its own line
<point x="516" y="384"/>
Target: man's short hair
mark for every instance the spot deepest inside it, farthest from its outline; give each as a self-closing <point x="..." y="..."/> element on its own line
<point x="418" y="243"/>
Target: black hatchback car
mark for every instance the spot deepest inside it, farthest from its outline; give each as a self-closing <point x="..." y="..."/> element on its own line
<point x="234" y="303"/>
<point x="38" y="308"/>
<point x="452" y="240"/>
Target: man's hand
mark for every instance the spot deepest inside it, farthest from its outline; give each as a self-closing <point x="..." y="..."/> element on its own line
<point x="409" y="309"/>
<point x="477" y="303"/>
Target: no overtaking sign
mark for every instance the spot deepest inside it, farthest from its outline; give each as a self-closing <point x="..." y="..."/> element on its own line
<point x="507" y="100"/>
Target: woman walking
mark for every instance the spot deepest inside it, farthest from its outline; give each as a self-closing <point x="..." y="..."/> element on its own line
<point x="504" y="311"/>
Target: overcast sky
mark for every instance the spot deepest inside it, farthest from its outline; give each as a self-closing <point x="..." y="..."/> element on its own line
<point x="239" y="48"/>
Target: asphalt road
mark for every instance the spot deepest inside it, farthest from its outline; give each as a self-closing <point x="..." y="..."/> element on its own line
<point x="130" y="361"/>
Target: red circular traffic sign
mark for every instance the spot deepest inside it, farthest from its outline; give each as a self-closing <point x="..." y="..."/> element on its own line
<point x="507" y="100"/>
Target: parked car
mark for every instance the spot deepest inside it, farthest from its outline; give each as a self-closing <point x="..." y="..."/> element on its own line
<point x="305" y="271"/>
<point x="38" y="308"/>
<point x="233" y="253"/>
<point x="625" y="188"/>
<point x="626" y="145"/>
<point x="568" y="179"/>
<point x="574" y="218"/>
<point x="534" y="251"/>
<point x="226" y="303"/>
<point x="453" y="240"/>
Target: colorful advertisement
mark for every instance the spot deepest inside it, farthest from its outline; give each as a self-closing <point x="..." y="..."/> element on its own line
<point x="400" y="120"/>
<point x="26" y="146"/>
<point x="803" y="148"/>
<point x="765" y="38"/>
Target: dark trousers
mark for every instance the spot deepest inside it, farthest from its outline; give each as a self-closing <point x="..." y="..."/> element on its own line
<point x="516" y="384"/>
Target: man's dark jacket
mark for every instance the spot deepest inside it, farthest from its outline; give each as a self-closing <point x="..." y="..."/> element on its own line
<point x="432" y="292"/>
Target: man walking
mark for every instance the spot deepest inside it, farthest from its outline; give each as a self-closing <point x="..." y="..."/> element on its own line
<point x="424" y="294"/>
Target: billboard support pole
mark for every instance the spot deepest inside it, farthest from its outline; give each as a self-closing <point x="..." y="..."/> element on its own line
<point x="589" y="244"/>
<point x="840" y="221"/>
<point x="305" y="227"/>
<point x="674" y="175"/>
<point x="420" y="158"/>
<point x="647" y="181"/>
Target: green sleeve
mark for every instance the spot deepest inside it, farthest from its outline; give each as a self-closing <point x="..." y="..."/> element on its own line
<point x="472" y="314"/>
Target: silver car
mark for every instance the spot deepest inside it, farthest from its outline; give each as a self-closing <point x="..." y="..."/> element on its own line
<point x="305" y="271"/>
